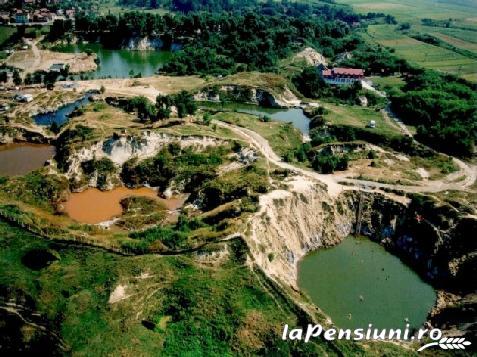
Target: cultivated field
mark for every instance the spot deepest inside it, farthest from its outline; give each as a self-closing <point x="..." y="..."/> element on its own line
<point x="412" y="10"/>
<point x="461" y="32"/>
<point x="423" y="54"/>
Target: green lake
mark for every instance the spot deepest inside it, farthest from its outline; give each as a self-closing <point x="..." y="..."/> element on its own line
<point x="119" y="63"/>
<point x="358" y="282"/>
<point x="287" y="115"/>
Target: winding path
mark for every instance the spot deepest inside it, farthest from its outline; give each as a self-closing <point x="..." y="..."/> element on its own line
<point x="335" y="182"/>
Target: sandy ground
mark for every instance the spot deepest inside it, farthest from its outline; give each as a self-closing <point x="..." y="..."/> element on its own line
<point x="118" y="294"/>
<point x="34" y="59"/>
<point x="149" y="87"/>
<point x="27" y="61"/>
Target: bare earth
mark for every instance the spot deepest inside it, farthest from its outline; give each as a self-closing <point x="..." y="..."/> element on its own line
<point x="34" y="59"/>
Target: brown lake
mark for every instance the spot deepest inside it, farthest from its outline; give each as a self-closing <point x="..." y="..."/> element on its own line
<point x="21" y="158"/>
<point x="94" y="206"/>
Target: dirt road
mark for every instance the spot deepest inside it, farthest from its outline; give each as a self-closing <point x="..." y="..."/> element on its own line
<point x="334" y="183"/>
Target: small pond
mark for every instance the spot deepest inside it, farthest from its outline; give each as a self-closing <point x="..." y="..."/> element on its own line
<point x="287" y="115"/>
<point x="61" y="115"/>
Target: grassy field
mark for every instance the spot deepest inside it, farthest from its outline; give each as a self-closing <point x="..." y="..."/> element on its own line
<point x="387" y="82"/>
<point x="360" y="117"/>
<point x="112" y="7"/>
<point x="281" y="136"/>
<point x="5" y="33"/>
<point x="85" y="301"/>
<point x="461" y="38"/>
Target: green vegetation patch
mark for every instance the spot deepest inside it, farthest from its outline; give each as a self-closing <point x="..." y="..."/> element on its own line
<point x="188" y="166"/>
<point x="281" y="136"/>
<point x="443" y="108"/>
<point x="247" y="182"/>
<point x="37" y="188"/>
<point x="141" y="211"/>
<point x="169" y="305"/>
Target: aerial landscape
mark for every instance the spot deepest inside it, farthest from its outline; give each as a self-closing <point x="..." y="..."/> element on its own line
<point x="238" y="178"/>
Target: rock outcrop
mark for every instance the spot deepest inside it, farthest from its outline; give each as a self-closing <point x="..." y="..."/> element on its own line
<point x="143" y="43"/>
<point x="294" y="222"/>
<point x="119" y="149"/>
<point x="250" y="95"/>
<point x="311" y="57"/>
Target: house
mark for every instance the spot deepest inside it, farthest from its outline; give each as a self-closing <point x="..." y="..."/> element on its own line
<point x="22" y="17"/>
<point x="342" y="76"/>
<point x="57" y="67"/>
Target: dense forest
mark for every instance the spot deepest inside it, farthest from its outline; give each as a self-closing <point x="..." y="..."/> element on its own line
<point x="227" y="42"/>
<point x="443" y="108"/>
<point x="186" y="6"/>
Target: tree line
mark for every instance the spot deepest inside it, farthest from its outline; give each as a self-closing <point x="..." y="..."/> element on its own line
<point x="227" y="42"/>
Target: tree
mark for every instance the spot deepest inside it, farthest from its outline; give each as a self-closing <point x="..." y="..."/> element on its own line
<point x="207" y="118"/>
<point x="310" y="83"/>
<point x="143" y="106"/>
<point x="55" y="128"/>
<point x="163" y="105"/>
<point x="17" y="80"/>
<point x="65" y="71"/>
<point x="49" y="79"/>
<point x="59" y="28"/>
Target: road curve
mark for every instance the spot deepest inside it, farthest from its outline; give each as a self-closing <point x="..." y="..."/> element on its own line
<point x="335" y="182"/>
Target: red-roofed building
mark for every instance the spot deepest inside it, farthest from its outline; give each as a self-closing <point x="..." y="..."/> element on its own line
<point x="342" y="76"/>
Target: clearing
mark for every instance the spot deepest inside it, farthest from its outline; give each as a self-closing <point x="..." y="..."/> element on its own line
<point x="34" y="59"/>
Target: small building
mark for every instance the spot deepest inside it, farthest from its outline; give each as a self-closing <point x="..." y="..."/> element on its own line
<point x="372" y="124"/>
<point x="57" y="67"/>
<point x="342" y="76"/>
<point x="25" y="98"/>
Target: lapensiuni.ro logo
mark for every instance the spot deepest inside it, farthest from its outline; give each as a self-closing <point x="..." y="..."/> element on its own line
<point x="370" y="333"/>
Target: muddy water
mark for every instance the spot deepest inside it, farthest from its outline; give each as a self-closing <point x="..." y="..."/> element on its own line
<point x="93" y="206"/>
<point x="358" y="282"/>
<point x="20" y="159"/>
